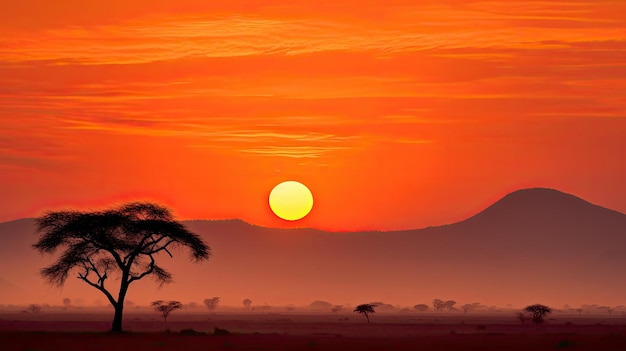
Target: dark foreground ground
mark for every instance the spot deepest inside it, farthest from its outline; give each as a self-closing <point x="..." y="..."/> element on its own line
<point x="311" y="332"/>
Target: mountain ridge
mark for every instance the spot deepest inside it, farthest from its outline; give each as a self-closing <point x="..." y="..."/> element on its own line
<point x="533" y="245"/>
<point x="515" y="197"/>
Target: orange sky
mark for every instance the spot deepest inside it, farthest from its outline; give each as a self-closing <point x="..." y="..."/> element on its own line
<point x="397" y="114"/>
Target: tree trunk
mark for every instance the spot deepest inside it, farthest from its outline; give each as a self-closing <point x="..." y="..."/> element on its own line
<point x="117" y="319"/>
<point x="119" y="307"/>
<point x="368" y="318"/>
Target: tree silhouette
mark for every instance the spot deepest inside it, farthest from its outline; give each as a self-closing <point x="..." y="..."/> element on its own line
<point x="420" y="307"/>
<point x="247" y="303"/>
<point x="438" y="304"/>
<point x="523" y="317"/>
<point x="67" y="303"/>
<point x="34" y="309"/>
<point x="123" y="240"/>
<point x="336" y="309"/>
<point x="538" y="311"/>
<point x="165" y="308"/>
<point x="212" y="303"/>
<point x="470" y="307"/>
<point x="449" y="305"/>
<point x="365" y="309"/>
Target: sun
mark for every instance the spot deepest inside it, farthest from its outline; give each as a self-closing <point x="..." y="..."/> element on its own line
<point x="291" y="200"/>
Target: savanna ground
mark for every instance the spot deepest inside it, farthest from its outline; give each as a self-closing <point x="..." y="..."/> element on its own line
<point x="294" y="331"/>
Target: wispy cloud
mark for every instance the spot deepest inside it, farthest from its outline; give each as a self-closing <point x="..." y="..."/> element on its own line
<point x="408" y="28"/>
<point x="297" y="81"/>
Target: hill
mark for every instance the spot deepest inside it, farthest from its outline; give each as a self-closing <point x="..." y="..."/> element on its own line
<point x="532" y="245"/>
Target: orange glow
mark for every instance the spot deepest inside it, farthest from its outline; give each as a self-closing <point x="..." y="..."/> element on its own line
<point x="397" y="114"/>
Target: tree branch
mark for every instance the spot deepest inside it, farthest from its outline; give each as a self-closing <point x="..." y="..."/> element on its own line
<point x="128" y="259"/>
<point x="84" y="277"/>
<point x="163" y="248"/>
<point x="150" y="270"/>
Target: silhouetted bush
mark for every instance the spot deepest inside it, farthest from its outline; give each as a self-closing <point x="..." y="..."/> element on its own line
<point x="219" y="331"/>
<point x="563" y="344"/>
<point x="191" y="331"/>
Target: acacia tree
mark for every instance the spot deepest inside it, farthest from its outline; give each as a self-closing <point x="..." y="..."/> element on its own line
<point x="336" y="309"/>
<point x="470" y="307"/>
<point x="166" y="307"/>
<point x="365" y="309"/>
<point x="211" y="304"/>
<point x="538" y="311"/>
<point x="438" y="304"/>
<point x="247" y="303"/>
<point x="34" y="309"/>
<point x="523" y="317"/>
<point x="449" y="305"/>
<point x="67" y="302"/>
<point x="420" y="307"/>
<point x="123" y="240"/>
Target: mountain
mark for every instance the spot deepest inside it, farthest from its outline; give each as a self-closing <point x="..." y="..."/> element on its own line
<point x="533" y="245"/>
<point x="10" y="291"/>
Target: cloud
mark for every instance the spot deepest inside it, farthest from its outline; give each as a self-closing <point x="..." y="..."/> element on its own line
<point x="479" y="24"/>
<point x="300" y="78"/>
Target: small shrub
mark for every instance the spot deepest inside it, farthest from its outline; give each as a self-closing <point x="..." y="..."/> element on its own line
<point x="563" y="344"/>
<point x="190" y="331"/>
<point x="219" y="331"/>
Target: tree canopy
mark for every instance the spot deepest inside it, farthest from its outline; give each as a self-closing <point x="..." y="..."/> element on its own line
<point x="365" y="309"/>
<point x="538" y="311"/>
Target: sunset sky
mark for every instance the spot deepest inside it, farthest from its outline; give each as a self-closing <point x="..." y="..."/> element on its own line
<point x="396" y="114"/>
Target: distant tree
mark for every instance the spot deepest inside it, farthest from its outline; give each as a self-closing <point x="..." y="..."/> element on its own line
<point x="67" y="302"/>
<point x="321" y="305"/>
<point x="336" y="309"/>
<point x="290" y="308"/>
<point x="34" y="309"/>
<point x="438" y="304"/>
<point x="470" y="307"/>
<point x="365" y="309"/>
<point x="265" y="307"/>
<point x="125" y="240"/>
<point x="383" y="307"/>
<point x="212" y="303"/>
<point x="420" y="307"/>
<point x="166" y="307"/>
<point x="523" y="317"/>
<point x="538" y="311"/>
<point x="579" y="310"/>
<point x="610" y="310"/>
<point x="449" y="305"/>
<point x="247" y="303"/>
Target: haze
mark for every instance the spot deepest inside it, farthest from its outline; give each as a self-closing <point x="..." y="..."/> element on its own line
<point x="532" y="245"/>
